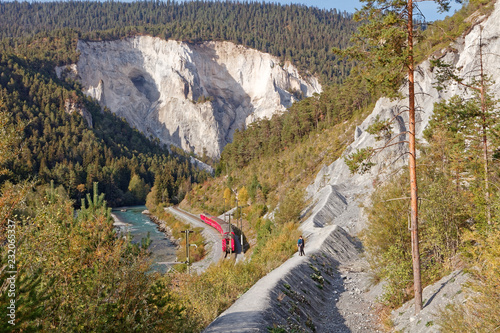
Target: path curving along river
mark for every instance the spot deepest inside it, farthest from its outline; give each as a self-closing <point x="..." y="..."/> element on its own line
<point x="132" y="220"/>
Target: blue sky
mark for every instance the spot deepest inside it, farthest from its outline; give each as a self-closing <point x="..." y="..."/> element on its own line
<point x="428" y="8"/>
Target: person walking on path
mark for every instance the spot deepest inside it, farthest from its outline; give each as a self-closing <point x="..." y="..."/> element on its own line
<point x="300" y="245"/>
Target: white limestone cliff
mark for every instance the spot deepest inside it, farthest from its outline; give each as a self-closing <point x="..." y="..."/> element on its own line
<point x="191" y="95"/>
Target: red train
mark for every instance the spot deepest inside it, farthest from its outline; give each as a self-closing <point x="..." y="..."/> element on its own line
<point x="223" y="228"/>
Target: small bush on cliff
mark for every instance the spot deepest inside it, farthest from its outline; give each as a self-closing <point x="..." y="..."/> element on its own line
<point x="290" y="206"/>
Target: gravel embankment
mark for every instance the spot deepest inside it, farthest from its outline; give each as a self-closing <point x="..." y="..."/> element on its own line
<point x="320" y="292"/>
<point x="435" y="298"/>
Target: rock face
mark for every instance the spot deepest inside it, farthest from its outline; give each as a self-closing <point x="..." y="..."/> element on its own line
<point x="192" y="96"/>
<point x="71" y="106"/>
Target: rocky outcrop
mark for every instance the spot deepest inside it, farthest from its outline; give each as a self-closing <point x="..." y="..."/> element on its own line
<point x="191" y="95"/>
<point x="201" y="165"/>
<point x="67" y="71"/>
<point x="71" y="106"/>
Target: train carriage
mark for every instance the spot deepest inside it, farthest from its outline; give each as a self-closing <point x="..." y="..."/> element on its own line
<point x="223" y="228"/>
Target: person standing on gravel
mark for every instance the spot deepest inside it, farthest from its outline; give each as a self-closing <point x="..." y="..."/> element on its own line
<point x="300" y="245"/>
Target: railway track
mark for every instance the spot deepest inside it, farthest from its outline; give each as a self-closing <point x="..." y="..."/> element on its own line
<point x="212" y="237"/>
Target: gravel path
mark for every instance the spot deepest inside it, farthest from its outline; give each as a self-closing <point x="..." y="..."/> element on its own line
<point x="323" y="291"/>
<point x="351" y="305"/>
<point x="345" y="305"/>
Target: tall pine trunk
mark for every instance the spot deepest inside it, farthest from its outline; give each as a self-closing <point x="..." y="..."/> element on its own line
<point x="485" y="131"/>
<point x="417" y="285"/>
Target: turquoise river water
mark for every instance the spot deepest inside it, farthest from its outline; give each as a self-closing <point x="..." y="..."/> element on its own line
<point x="138" y="225"/>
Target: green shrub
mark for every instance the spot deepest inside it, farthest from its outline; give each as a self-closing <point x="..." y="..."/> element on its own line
<point x="481" y="313"/>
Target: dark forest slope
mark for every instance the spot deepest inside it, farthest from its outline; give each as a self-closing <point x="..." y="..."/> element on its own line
<point x="60" y="146"/>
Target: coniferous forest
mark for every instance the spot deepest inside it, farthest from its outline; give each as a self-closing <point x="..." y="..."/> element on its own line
<point x="303" y="35"/>
<point x="62" y="147"/>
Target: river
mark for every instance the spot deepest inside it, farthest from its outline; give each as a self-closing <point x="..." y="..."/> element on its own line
<point x="138" y="225"/>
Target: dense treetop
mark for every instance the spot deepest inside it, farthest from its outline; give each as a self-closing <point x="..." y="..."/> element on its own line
<point x="298" y="33"/>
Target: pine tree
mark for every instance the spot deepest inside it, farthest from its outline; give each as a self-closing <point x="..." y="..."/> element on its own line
<point x="384" y="43"/>
<point x="476" y="118"/>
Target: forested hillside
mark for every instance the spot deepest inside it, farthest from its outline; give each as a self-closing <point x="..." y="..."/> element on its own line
<point x="455" y="231"/>
<point x="297" y="33"/>
<point x="457" y="167"/>
<point x="62" y="147"/>
<point x="56" y="144"/>
<point x="76" y="275"/>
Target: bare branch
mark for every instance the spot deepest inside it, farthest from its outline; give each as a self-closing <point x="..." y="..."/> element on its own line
<point x="405" y="132"/>
<point x="402" y="198"/>
<point x="387" y="146"/>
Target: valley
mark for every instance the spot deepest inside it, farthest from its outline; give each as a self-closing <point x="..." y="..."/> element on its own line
<point x="257" y="111"/>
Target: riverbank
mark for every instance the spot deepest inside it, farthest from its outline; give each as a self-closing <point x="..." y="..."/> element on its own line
<point x="174" y="229"/>
<point x="132" y="221"/>
<point x="117" y="222"/>
<point x="163" y="227"/>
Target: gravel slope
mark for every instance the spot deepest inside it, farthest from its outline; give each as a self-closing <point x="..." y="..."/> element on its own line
<point x="435" y="297"/>
<point x="320" y="292"/>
